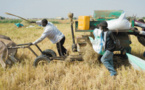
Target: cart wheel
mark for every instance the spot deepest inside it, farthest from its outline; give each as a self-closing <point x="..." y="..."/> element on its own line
<point x="41" y="60"/>
<point x="49" y="53"/>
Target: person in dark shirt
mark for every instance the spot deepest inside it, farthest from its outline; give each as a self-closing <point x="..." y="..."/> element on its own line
<point x="109" y="45"/>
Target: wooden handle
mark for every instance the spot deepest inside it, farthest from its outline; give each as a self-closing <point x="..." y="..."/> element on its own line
<point x="16" y="16"/>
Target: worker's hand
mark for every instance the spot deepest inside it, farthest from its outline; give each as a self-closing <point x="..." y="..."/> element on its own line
<point x="32" y="22"/>
<point x="124" y="52"/>
<point x="30" y="43"/>
<point x="117" y="31"/>
<point x="132" y="28"/>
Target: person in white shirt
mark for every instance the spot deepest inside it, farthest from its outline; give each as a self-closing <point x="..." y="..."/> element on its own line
<point x="137" y="31"/>
<point x="139" y="23"/>
<point x="54" y="35"/>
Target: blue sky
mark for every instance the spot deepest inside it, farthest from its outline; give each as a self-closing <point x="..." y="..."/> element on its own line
<point x="55" y="8"/>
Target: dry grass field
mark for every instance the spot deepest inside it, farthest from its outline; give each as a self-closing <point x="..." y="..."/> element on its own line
<point x="61" y="75"/>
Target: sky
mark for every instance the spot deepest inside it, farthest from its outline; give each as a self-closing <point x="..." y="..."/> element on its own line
<point x="60" y="8"/>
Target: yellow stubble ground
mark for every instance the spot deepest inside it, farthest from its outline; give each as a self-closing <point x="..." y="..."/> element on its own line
<point x="61" y="75"/>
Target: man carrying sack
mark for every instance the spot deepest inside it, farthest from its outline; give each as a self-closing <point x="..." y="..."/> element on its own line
<point x="109" y="45"/>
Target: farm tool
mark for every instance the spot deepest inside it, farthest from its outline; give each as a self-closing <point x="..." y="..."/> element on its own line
<point x="49" y="55"/>
<point x="17" y="16"/>
<point x="7" y="56"/>
<point x="99" y="16"/>
<point x="46" y="55"/>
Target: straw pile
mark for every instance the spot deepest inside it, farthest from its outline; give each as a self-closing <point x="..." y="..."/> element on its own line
<point x="89" y="55"/>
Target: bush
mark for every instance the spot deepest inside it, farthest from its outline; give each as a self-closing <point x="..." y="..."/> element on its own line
<point x="2" y="17"/>
<point x="55" y="22"/>
<point x="11" y="21"/>
<point x="143" y="17"/>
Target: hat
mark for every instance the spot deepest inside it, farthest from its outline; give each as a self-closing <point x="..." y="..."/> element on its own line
<point x="103" y="24"/>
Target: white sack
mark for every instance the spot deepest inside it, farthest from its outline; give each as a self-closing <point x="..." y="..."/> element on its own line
<point x="97" y="44"/>
<point x="119" y="24"/>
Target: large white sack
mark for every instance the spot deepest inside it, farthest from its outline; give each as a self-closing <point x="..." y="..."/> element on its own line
<point x="97" y="43"/>
<point x="119" y="24"/>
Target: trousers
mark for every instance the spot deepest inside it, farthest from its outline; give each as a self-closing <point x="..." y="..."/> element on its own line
<point x="61" y="49"/>
<point x="107" y="60"/>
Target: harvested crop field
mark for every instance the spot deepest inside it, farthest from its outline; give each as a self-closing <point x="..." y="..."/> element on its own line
<point x="58" y="75"/>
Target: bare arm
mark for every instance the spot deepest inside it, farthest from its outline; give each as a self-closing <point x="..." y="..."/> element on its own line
<point x="36" y="22"/>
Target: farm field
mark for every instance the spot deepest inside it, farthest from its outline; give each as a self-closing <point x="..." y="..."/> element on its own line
<point x="60" y="75"/>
